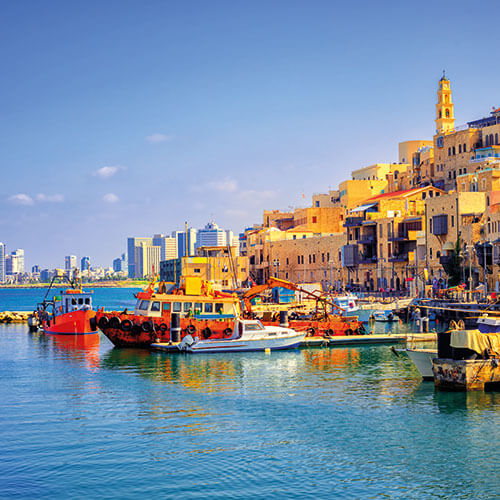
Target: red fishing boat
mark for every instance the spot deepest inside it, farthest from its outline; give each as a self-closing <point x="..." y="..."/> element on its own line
<point x="68" y="313"/>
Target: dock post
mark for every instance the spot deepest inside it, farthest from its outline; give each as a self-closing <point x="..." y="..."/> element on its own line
<point x="284" y="319"/>
<point x="425" y="325"/>
<point x="175" y="327"/>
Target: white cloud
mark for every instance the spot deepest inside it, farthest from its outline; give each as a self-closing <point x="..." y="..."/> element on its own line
<point x="21" y="199"/>
<point x="50" y="198"/>
<point x="110" y="198"/>
<point x="158" y="138"/>
<point x="107" y="172"/>
<point x="257" y="194"/>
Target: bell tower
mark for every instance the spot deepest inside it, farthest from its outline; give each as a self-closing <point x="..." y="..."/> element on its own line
<point x="445" y="120"/>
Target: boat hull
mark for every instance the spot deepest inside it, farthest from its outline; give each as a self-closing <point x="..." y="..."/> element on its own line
<point x="245" y="345"/>
<point x="72" y="323"/>
<point x="422" y="359"/>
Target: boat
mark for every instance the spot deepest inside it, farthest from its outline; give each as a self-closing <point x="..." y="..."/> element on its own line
<point x="422" y="359"/>
<point x="384" y="316"/>
<point x="249" y="335"/>
<point x="202" y="311"/>
<point x="324" y="318"/>
<point x="68" y="313"/>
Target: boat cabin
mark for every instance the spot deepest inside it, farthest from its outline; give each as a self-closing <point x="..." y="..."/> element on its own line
<point x="199" y="307"/>
<point x="72" y="300"/>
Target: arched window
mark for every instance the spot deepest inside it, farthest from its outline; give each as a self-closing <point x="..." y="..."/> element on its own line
<point x="465" y="148"/>
<point x="447" y="113"/>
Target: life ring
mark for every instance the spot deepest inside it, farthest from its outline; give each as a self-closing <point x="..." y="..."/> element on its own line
<point x="207" y="333"/>
<point x="103" y="322"/>
<point x="126" y="325"/>
<point x="114" y="322"/>
<point x="147" y="326"/>
<point x="349" y="332"/>
<point x="191" y="329"/>
<point x="227" y="332"/>
<point x="294" y="316"/>
<point x="329" y="332"/>
<point x="163" y="328"/>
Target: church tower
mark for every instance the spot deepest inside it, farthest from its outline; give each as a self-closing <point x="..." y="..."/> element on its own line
<point x="445" y="120"/>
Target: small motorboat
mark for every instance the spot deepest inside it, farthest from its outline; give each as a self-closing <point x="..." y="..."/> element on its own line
<point x="384" y="316"/>
<point x="248" y="335"/>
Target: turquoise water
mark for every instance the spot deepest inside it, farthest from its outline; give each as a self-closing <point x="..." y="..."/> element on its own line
<point x="94" y="421"/>
<point x="26" y="299"/>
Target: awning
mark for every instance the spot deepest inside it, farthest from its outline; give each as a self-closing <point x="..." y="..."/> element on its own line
<point x="448" y="246"/>
<point x="410" y="219"/>
<point x="363" y="208"/>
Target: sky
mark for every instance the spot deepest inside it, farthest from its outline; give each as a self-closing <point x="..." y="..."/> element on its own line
<point x="128" y="118"/>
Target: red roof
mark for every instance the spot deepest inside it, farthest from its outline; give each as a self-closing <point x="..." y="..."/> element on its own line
<point x="399" y="194"/>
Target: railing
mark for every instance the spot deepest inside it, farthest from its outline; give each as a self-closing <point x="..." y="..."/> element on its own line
<point x="353" y="221"/>
<point x="367" y="240"/>
<point x="399" y="258"/>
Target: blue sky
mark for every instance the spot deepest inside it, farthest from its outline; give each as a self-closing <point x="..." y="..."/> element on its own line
<point x="127" y="118"/>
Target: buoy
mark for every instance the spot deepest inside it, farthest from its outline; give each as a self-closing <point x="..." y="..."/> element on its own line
<point x="267" y="350"/>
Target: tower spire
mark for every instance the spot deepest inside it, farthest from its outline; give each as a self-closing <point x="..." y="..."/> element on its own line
<point x="445" y="119"/>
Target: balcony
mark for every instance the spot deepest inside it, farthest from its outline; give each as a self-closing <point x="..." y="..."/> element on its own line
<point x="353" y="221"/>
<point x="400" y="236"/>
<point x="399" y="258"/>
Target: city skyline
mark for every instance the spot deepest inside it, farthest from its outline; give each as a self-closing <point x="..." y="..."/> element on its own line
<point x="132" y="124"/>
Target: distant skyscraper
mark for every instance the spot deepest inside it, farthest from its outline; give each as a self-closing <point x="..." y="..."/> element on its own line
<point x="180" y="237"/>
<point x="35" y="269"/>
<point x="70" y="262"/>
<point x="85" y="264"/>
<point x="2" y="262"/>
<point x="147" y="258"/>
<point x="14" y="263"/>
<point x="211" y="236"/>
<point x="168" y="245"/>
<point x="132" y="244"/>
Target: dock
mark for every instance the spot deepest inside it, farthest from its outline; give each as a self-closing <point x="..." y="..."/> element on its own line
<point x="352" y="340"/>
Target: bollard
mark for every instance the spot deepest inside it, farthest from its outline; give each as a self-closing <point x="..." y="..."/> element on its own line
<point x="284" y="319"/>
<point x="425" y="325"/>
<point x="175" y="327"/>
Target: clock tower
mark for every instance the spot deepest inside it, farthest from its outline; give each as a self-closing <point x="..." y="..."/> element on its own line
<point x="445" y="120"/>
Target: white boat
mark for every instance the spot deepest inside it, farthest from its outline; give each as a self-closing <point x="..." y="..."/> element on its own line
<point x="384" y="316"/>
<point x="422" y="359"/>
<point x="249" y="335"/>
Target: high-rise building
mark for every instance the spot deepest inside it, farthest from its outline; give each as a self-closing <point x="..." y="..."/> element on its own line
<point x="168" y="245"/>
<point x="35" y="269"/>
<point x="70" y="262"/>
<point x="14" y="263"/>
<point x="85" y="264"/>
<point x="2" y="262"/>
<point x="132" y="244"/>
<point x="147" y="259"/>
<point x="181" y="237"/>
<point x="212" y="236"/>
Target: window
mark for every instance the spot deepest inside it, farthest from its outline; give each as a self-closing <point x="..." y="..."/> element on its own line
<point x="197" y="270"/>
<point x="317" y="203"/>
<point x="453" y="149"/>
<point x="298" y="259"/>
<point x="155" y="307"/>
<point x="287" y="261"/>
<point x="314" y="258"/>
<point x="87" y="300"/>
<point x="322" y="257"/>
<point x="198" y="307"/>
<point x="143" y="306"/>
<point x="294" y="236"/>
<point x="219" y="308"/>
<point x="309" y="258"/>
<point x="177" y="307"/>
<point x="449" y="151"/>
<point x="381" y="230"/>
<point x="166" y="306"/>
<point x="209" y="307"/>
<point x="465" y="148"/>
<point x="80" y="302"/>
<point x="438" y="254"/>
<point x="459" y="148"/>
<point x="314" y="219"/>
<point x="452" y="221"/>
<point x="447" y="113"/>
<point x="188" y="306"/>
<point x="430" y="252"/>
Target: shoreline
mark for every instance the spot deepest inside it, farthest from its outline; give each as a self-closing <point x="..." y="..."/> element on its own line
<point x="116" y="284"/>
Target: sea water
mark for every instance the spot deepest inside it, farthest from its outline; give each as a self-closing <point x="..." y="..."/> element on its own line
<point x="82" y="419"/>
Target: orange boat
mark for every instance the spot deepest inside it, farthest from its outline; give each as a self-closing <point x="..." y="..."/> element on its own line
<point x="69" y="313"/>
